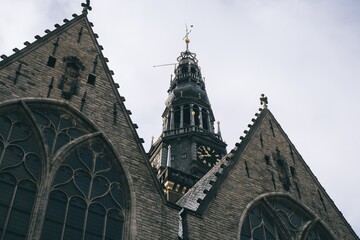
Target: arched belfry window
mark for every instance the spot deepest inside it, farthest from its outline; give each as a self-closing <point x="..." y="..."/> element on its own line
<point x="205" y="120"/>
<point x="86" y="199"/>
<point x="187" y="114"/>
<point x="277" y="218"/>
<point x="59" y="177"/>
<point x="177" y="118"/>
<point x="196" y="115"/>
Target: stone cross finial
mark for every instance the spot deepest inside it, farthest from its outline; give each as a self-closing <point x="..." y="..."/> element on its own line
<point x="264" y="101"/>
<point x="86" y="6"/>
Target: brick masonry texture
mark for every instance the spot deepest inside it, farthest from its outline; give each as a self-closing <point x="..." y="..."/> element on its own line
<point x="238" y="190"/>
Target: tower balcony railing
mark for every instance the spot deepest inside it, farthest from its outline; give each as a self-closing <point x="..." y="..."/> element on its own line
<point x="188" y="129"/>
<point x="187" y="75"/>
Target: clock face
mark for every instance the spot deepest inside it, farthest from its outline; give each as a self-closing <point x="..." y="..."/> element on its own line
<point x="208" y="156"/>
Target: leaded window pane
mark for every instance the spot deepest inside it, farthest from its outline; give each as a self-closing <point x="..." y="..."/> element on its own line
<point x="7" y="187"/>
<point x="54" y="220"/>
<point x="259" y="226"/>
<point x="317" y="233"/>
<point x="114" y="224"/>
<point x="75" y="219"/>
<point x="95" y="227"/>
<point x="21" y="209"/>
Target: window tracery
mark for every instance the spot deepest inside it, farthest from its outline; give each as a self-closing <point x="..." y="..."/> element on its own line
<point x="292" y="219"/>
<point x="287" y="221"/>
<point x="87" y="186"/>
<point x="58" y="128"/>
<point x="317" y="233"/>
<point x="258" y="225"/>
<point x="85" y="197"/>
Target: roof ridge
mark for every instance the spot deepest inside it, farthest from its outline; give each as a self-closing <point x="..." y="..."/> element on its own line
<point x="48" y="34"/>
<point x="197" y="194"/>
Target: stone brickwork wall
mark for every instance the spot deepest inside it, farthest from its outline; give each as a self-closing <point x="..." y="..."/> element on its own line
<point x="251" y="176"/>
<point x="26" y="75"/>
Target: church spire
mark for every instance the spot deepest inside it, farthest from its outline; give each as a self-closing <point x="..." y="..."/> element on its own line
<point x="188" y="134"/>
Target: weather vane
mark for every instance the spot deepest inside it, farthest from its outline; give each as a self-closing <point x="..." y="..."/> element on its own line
<point x="186" y="38"/>
<point x="86" y="6"/>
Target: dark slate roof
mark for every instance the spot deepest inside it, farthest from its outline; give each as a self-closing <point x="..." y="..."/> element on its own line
<point x="201" y="194"/>
<point x="192" y="199"/>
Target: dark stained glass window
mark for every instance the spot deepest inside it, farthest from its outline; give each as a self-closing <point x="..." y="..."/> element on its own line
<point x="293" y="219"/>
<point x="259" y="226"/>
<point x="83" y="199"/>
<point x="86" y="200"/>
<point x="20" y="166"/>
<point x="318" y="233"/>
<point x="58" y="127"/>
<point x="264" y="221"/>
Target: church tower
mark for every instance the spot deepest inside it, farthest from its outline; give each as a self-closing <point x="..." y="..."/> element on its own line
<point x="189" y="146"/>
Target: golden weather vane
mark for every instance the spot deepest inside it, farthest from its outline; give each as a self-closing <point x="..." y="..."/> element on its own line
<point x="186" y="38"/>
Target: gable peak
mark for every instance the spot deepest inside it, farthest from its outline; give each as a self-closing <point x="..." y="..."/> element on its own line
<point x="86" y="6"/>
<point x="264" y="101"/>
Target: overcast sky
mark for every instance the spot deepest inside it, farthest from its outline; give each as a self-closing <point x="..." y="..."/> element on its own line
<point x="303" y="54"/>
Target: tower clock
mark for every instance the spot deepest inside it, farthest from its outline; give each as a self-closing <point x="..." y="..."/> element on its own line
<point x="208" y="155"/>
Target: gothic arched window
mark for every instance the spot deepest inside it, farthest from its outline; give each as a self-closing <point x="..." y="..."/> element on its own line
<point x="86" y="199"/>
<point x="277" y="218"/>
<point x="59" y="178"/>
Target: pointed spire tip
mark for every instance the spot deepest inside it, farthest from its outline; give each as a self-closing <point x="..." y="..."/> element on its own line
<point x="186" y="38"/>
